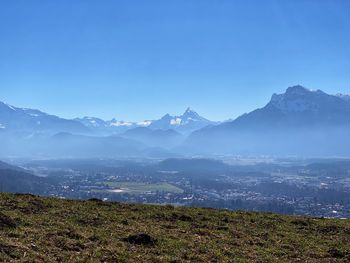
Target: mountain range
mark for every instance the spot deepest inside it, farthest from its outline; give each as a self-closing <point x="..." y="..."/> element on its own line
<point x="297" y="122"/>
<point x="29" y="132"/>
<point x="186" y="123"/>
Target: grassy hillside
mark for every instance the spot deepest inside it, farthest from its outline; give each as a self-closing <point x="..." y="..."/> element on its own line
<point x="49" y="230"/>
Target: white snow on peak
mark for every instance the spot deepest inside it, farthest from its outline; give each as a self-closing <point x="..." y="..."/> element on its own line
<point x="293" y="100"/>
<point x="120" y="123"/>
<point x="32" y="112"/>
<point x="189" y="110"/>
<point x="144" y="123"/>
<point x="176" y="121"/>
<point x="10" y="106"/>
<point x="93" y="123"/>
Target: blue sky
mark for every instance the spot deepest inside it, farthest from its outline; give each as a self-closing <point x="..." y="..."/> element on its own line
<point x="137" y="60"/>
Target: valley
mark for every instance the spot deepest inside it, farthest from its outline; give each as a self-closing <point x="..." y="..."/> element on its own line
<point x="315" y="187"/>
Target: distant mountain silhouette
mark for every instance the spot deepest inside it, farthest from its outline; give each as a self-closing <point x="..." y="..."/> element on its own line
<point x="299" y="121"/>
<point x="65" y="144"/>
<point x="155" y="138"/>
<point x="83" y="146"/>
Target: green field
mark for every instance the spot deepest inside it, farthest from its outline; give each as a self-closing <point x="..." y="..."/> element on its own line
<point x="140" y="187"/>
<point x="37" y="229"/>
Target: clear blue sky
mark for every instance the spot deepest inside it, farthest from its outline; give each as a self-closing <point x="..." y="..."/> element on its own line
<point x="136" y="60"/>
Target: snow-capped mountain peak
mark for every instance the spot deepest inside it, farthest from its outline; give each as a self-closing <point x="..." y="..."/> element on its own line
<point x="191" y="115"/>
<point x="176" y="121"/>
<point x="31" y="121"/>
<point x="91" y="122"/>
<point x="112" y="126"/>
<point x="297" y="90"/>
<point x="145" y="123"/>
<point x="116" y="123"/>
<point x="22" y="111"/>
<point x="7" y="106"/>
<point x="188" y="116"/>
<point x="298" y="99"/>
<point x="190" y="111"/>
<point x="185" y="123"/>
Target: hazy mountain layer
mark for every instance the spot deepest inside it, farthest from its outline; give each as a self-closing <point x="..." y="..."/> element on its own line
<point x="155" y="138"/>
<point x="297" y="122"/>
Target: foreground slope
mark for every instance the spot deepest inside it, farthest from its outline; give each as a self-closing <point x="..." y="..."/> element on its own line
<point x="50" y="230"/>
